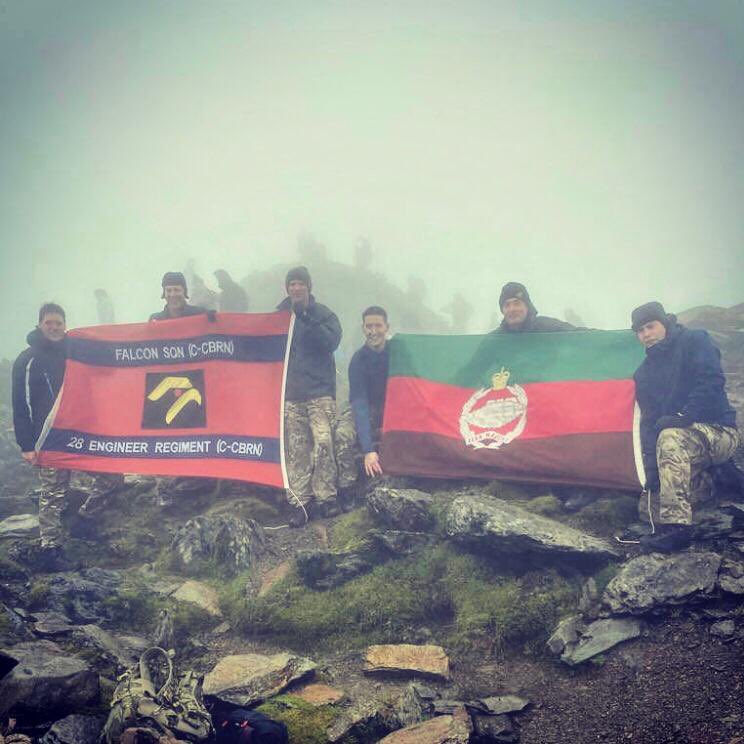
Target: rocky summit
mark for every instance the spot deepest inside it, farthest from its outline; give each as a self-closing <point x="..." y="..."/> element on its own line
<point x="432" y="611"/>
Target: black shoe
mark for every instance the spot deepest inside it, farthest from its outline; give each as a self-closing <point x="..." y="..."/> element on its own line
<point x="327" y="508"/>
<point x="347" y="497"/>
<point x="668" y="539"/>
<point x="299" y="517"/>
<point x="633" y="533"/>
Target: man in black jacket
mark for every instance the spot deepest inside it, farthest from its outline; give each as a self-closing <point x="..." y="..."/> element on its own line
<point x="310" y="397"/>
<point x="520" y="315"/>
<point x="687" y="423"/>
<point x="37" y="377"/>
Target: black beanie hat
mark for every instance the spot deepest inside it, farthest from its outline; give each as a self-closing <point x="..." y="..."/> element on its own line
<point x="515" y="290"/>
<point x="298" y="274"/>
<point x="172" y="278"/>
<point x="648" y="312"/>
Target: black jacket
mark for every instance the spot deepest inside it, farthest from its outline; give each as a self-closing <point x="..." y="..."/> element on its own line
<point x="37" y="377"/>
<point x="536" y="324"/>
<point x="681" y="374"/>
<point x="187" y="310"/>
<point x="311" y="372"/>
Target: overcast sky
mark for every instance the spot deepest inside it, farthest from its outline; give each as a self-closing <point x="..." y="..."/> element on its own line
<point x="593" y="150"/>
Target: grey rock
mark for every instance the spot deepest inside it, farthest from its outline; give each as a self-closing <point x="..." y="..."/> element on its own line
<point x="731" y="577"/>
<point x="231" y="542"/>
<point x="323" y="569"/>
<point x="248" y="679"/>
<point x="83" y="596"/>
<point x="75" y="729"/>
<point x="596" y="638"/>
<point x="122" y="650"/>
<point x="654" y="581"/>
<point x="498" y="729"/>
<point x="44" y="680"/>
<point x="500" y="704"/>
<point x="566" y="634"/>
<point x="399" y="543"/>
<point x="20" y="525"/>
<point x="503" y="527"/>
<point x="412" y="707"/>
<point x="49" y="624"/>
<point x="712" y="523"/>
<point x="590" y="600"/>
<point x="447" y="707"/>
<point x="723" y="629"/>
<point x="402" y="508"/>
<point x="367" y="720"/>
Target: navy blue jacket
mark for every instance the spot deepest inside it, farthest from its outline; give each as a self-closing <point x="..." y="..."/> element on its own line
<point x="187" y="311"/>
<point x="311" y="371"/>
<point x="37" y="377"/>
<point x="368" y="373"/>
<point x="681" y="374"/>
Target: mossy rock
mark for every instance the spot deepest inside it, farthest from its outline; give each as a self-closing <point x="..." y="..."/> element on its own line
<point x="306" y="723"/>
<point x="350" y="530"/>
<point x="607" y="516"/>
<point x="548" y="506"/>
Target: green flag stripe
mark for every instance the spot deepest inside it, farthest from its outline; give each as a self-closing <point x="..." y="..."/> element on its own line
<point x="469" y="361"/>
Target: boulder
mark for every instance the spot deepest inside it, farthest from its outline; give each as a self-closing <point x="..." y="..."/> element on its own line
<point x="324" y="569"/>
<point x="230" y="542"/>
<point x="75" y="729"/>
<point x="20" y="525"/>
<point x="454" y="729"/>
<point x="731" y="577"/>
<point x="500" y="704"/>
<point x="578" y="642"/>
<point x="200" y="594"/>
<point x="491" y="729"/>
<point x="414" y="705"/>
<point x="407" y="659"/>
<point x="505" y="528"/>
<point x="723" y="629"/>
<point x="122" y="650"/>
<point x="400" y="543"/>
<point x="43" y="679"/>
<point x="653" y="581"/>
<point x="402" y="508"/>
<point x="248" y="679"/>
<point x="317" y="694"/>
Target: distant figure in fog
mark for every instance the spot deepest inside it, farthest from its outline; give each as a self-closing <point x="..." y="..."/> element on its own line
<point x="461" y="311"/>
<point x="104" y="307"/>
<point x="202" y="295"/>
<point x="233" y="298"/>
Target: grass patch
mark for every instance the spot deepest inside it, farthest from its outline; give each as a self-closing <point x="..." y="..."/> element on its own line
<point x="134" y="610"/>
<point x="350" y="530"/>
<point x="306" y="723"/>
<point x="607" y="516"/>
<point x="437" y="587"/>
<point x="38" y="595"/>
<point x="605" y="576"/>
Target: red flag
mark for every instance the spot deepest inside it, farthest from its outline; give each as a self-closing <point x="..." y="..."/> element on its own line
<point x="188" y="396"/>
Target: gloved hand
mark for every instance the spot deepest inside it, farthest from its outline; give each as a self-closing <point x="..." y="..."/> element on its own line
<point x="677" y="421"/>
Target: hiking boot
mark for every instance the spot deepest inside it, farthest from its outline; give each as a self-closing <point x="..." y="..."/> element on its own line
<point x="668" y="539"/>
<point x="326" y="509"/>
<point x="634" y="532"/>
<point x="299" y="517"/>
<point x="347" y="497"/>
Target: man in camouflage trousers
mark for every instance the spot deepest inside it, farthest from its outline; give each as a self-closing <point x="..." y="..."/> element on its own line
<point x="310" y="400"/>
<point x="687" y="423"/>
<point x="37" y="377"/>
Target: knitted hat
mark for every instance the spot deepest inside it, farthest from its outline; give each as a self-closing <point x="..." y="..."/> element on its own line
<point x="515" y="290"/>
<point x="298" y="274"/>
<point x="647" y="313"/>
<point x="173" y="278"/>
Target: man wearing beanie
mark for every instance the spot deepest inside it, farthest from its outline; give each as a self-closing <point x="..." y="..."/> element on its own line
<point x="687" y="423"/>
<point x="520" y="315"/>
<point x="176" y="294"/>
<point x="310" y="399"/>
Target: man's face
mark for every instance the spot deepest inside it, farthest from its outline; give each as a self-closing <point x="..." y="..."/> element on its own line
<point x="515" y="311"/>
<point x="299" y="293"/>
<point x="651" y="333"/>
<point x="375" y="329"/>
<point x="53" y="327"/>
<point x="175" y="297"/>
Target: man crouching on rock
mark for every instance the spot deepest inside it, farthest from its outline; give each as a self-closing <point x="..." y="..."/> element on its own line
<point x="687" y="423"/>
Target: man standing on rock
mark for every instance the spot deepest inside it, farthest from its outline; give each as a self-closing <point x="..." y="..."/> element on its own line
<point x="233" y="298"/>
<point x="520" y="315"/>
<point x="368" y="373"/>
<point x="687" y="423"/>
<point x="176" y="295"/>
<point x="310" y="399"/>
<point x="37" y="377"/>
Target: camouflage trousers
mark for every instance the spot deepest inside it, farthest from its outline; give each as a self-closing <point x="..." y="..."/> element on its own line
<point x="53" y="500"/>
<point x="319" y="447"/>
<point x="683" y="457"/>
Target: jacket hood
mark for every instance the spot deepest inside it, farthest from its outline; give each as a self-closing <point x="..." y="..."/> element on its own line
<point x="37" y="340"/>
<point x="673" y="331"/>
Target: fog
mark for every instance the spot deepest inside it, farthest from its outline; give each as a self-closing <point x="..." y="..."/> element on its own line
<point x="590" y="150"/>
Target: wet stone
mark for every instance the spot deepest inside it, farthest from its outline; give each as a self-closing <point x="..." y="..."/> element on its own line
<point x="407" y="658"/>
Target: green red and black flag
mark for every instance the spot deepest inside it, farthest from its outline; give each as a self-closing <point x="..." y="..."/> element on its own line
<point x="533" y="407"/>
